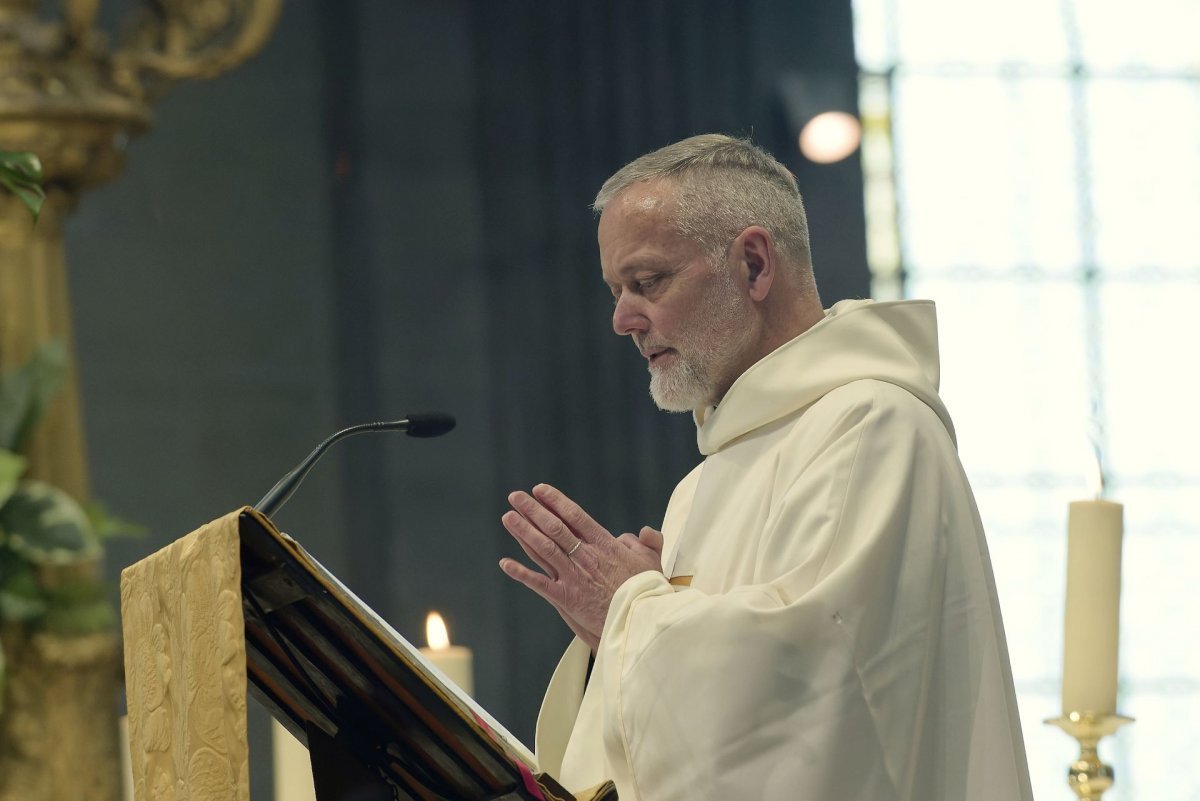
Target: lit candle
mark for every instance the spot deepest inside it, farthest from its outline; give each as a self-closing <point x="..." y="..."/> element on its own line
<point x="293" y="767"/>
<point x="1090" y="633"/>
<point x="453" y="660"/>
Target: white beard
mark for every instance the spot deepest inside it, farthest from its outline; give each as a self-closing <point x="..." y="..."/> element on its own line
<point x="716" y="336"/>
<point x="680" y="387"/>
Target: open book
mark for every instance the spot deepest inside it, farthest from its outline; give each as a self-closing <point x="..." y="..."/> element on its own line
<point x="322" y="661"/>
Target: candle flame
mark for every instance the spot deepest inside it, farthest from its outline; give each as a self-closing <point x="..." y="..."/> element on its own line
<point x="1096" y="475"/>
<point x="1094" y="434"/>
<point x="436" y="633"/>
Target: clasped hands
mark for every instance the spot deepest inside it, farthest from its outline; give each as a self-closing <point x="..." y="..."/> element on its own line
<point x="583" y="563"/>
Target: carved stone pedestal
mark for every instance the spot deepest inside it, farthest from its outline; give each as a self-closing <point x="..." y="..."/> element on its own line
<point x="58" y="734"/>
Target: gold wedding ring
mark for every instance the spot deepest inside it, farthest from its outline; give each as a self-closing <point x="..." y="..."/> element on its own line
<point x="574" y="547"/>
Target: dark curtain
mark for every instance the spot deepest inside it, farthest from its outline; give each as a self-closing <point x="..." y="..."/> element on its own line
<point x="387" y="212"/>
<point x="567" y="93"/>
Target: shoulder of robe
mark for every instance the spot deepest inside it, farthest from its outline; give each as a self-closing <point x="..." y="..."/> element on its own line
<point x="890" y="418"/>
<point x="846" y="406"/>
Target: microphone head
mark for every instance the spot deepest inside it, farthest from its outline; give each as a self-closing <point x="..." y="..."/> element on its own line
<point x="433" y="424"/>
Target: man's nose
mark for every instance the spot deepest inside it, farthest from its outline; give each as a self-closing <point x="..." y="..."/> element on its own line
<point x="629" y="317"/>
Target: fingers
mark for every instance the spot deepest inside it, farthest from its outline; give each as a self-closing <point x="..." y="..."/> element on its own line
<point x="542" y="550"/>
<point x="648" y="538"/>
<point x="578" y="521"/>
<point x="542" y="585"/>
<point x="582" y="564"/>
<point x="543" y="521"/>
<point x="652" y="539"/>
<point x="564" y="523"/>
<point x="549" y="591"/>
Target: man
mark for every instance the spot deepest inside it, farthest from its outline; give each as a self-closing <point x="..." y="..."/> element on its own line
<point x="817" y="618"/>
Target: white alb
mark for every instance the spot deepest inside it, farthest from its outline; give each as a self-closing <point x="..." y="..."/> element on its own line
<point x="841" y="637"/>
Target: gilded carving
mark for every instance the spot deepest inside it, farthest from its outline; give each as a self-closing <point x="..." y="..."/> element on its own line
<point x="36" y="724"/>
<point x="75" y="100"/>
<point x="185" y="662"/>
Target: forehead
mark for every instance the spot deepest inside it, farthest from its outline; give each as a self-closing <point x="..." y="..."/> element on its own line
<point x="636" y="227"/>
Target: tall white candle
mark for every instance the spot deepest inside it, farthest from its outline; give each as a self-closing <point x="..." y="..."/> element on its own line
<point x="453" y="660"/>
<point x="1090" y="634"/>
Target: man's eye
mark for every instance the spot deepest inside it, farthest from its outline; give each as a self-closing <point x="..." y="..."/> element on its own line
<point x="647" y="284"/>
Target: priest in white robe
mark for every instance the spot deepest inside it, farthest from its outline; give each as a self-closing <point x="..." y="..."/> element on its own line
<point x="817" y="618"/>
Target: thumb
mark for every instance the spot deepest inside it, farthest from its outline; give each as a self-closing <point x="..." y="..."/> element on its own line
<point x="652" y="539"/>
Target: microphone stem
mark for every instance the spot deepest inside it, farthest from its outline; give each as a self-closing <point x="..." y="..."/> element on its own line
<point x="283" y="490"/>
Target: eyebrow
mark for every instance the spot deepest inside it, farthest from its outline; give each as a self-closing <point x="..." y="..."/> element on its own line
<point x="633" y="267"/>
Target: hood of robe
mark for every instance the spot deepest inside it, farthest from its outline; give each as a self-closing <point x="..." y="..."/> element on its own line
<point x="893" y="341"/>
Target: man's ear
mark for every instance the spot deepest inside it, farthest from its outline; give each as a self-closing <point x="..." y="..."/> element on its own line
<point x="755" y="250"/>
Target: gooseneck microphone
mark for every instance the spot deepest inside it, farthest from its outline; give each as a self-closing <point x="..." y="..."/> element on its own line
<point x="433" y="424"/>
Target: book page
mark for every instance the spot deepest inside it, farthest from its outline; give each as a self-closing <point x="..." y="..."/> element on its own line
<point x="465" y="703"/>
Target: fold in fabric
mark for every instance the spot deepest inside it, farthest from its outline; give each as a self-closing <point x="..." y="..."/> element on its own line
<point x="841" y="636"/>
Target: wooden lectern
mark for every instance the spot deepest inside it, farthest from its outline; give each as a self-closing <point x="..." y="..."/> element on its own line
<point x="237" y="600"/>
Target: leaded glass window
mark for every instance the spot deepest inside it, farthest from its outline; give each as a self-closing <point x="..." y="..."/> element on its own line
<point x="1035" y="168"/>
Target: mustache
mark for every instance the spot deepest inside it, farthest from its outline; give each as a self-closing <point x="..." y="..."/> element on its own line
<point x="646" y="346"/>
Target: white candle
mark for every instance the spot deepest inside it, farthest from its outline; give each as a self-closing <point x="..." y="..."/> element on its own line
<point x="293" y="767"/>
<point x="1090" y="635"/>
<point x="126" y="762"/>
<point x="453" y="660"/>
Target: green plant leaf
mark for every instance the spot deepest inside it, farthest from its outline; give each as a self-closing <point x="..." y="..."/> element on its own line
<point x="30" y="194"/>
<point x="21" y="599"/>
<point x="78" y="608"/>
<point x="12" y="465"/>
<point x="10" y="563"/>
<point x="26" y="391"/>
<point x="46" y="526"/>
<point x="23" y="164"/>
<point x="21" y="596"/>
<point x="22" y="174"/>
<point x="79" y="619"/>
<point x="108" y="526"/>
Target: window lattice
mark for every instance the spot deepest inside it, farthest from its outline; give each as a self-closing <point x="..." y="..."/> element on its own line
<point x="1035" y="168"/>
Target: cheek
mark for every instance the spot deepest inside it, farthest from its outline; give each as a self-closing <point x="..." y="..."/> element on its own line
<point x="665" y="321"/>
<point x="682" y="314"/>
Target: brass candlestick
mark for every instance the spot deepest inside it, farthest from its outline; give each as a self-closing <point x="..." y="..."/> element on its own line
<point x="1088" y="776"/>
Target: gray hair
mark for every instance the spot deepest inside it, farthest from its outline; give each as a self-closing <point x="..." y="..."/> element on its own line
<point x="724" y="185"/>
